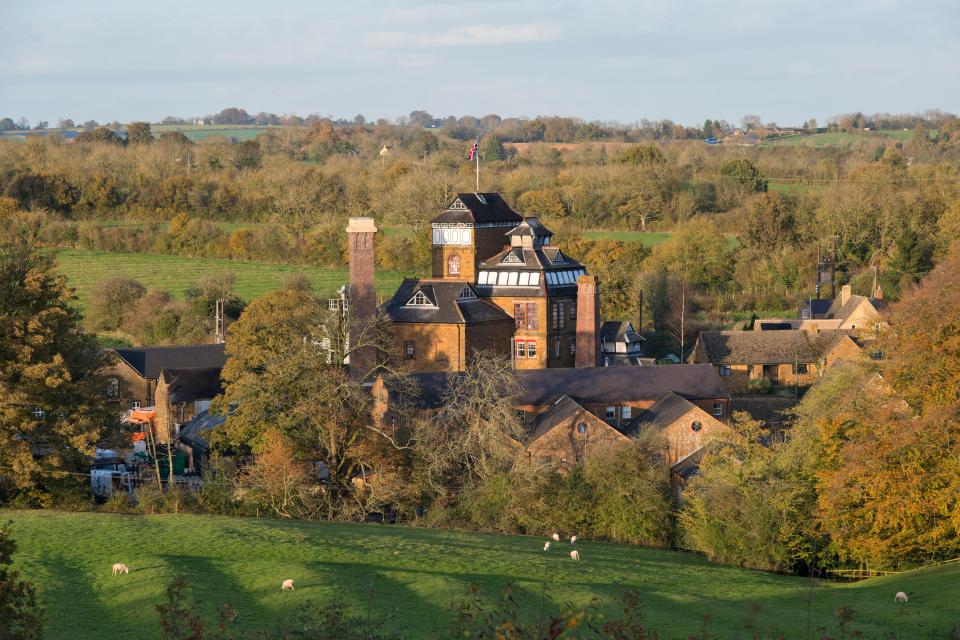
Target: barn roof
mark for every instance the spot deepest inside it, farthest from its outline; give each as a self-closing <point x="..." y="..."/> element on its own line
<point x="149" y="361"/>
<point x="768" y="347"/>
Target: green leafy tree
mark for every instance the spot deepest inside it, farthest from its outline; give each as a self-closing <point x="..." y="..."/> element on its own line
<point x="492" y="149"/>
<point x="643" y="154"/>
<point x="52" y="411"/>
<point x="743" y="172"/>
<point x="20" y="616"/>
<point x="913" y="257"/>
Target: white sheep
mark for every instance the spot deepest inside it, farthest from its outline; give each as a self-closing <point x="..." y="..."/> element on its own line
<point x="573" y="539"/>
<point x="546" y="546"/>
<point x="901" y="597"/>
<point x="575" y="555"/>
<point x="556" y="537"/>
<point x="119" y="568"/>
<point x="287" y="585"/>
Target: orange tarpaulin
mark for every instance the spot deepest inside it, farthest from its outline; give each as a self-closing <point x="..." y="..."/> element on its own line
<point x="142" y="416"/>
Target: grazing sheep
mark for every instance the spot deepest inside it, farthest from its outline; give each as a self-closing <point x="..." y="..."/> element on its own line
<point x="556" y="537"/>
<point x="573" y="539"/>
<point x="901" y="597"/>
<point x="119" y="568"/>
<point x="575" y="555"/>
<point x="546" y="546"/>
<point x="287" y="585"/>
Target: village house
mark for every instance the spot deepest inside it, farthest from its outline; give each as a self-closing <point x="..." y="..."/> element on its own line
<point x="848" y="312"/>
<point x="786" y="357"/>
<point x="133" y="373"/>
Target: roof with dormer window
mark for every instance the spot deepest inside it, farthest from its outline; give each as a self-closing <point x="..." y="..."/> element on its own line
<point x="479" y="208"/>
<point x="451" y="302"/>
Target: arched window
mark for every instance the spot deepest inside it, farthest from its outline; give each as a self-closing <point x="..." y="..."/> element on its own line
<point x="113" y="387"/>
<point x="453" y="265"/>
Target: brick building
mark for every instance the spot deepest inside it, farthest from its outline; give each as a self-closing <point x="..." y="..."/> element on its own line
<point x="498" y="284"/>
<point x="134" y="372"/>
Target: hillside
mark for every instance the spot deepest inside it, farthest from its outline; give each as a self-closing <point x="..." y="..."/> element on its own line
<point x="416" y="573"/>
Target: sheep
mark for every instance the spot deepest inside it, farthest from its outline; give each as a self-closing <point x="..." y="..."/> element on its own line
<point x="556" y="537"/>
<point x="287" y="585"/>
<point x="573" y="539"/>
<point x="574" y="555"/>
<point x="119" y="568"/>
<point x="546" y="546"/>
<point x="901" y="597"/>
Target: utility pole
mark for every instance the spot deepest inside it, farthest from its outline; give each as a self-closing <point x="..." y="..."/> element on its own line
<point x="819" y="269"/>
<point x="873" y="291"/>
<point x="833" y="267"/>
<point x="640" y="314"/>
<point x="218" y="321"/>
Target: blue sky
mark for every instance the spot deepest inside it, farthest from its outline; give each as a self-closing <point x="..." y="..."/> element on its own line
<point x="596" y="59"/>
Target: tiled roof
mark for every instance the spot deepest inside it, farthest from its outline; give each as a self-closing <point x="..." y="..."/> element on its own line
<point x="479" y="208"/>
<point x="187" y="385"/>
<point x="562" y="409"/>
<point x="619" y="331"/>
<point x="149" y="361"/>
<point x="768" y="347"/>
<point x="447" y="308"/>
<point x="530" y="227"/>
<point x="541" y="258"/>
<point x="597" y="384"/>
<point x="195" y="433"/>
<point x="668" y="408"/>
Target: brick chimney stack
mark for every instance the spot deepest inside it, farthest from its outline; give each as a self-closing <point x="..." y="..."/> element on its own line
<point x="362" y="296"/>
<point x="588" y="322"/>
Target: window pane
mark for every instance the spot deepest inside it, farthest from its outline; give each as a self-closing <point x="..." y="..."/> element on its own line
<point x="524" y="279"/>
<point x="465" y="236"/>
<point x="512" y="280"/>
<point x="446" y="236"/>
<point x="502" y="278"/>
<point x="532" y="349"/>
<point x="483" y="277"/>
<point x="531" y="315"/>
<point x="521" y="349"/>
<point x="437" y="236"/>
<point x="535" y="279"/>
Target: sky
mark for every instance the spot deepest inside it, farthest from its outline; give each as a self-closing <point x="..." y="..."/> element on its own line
<point x="608" y="60"/>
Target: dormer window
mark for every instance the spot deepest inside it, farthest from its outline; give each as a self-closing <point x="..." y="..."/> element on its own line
<point x="458" y="205"/>
<point x="419" y="300"/>
<point x="466" y="294"/>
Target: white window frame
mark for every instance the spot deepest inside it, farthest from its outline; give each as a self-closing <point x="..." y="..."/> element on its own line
<point x="531" y="348"/>
<point x="718" y="409"/>
<point x="626" y="411"/>
<point x="502" y="278"/>
<point x="512" y="279"/>
<point x="611" y="412"/>
<point x="535" y="279"/>
<point x="521" y="349"/>
<point x="725" y="370"/>
<point x="524" y="279"/>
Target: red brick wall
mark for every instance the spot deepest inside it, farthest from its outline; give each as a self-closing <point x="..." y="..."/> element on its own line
<point x="588" y="321"/>
<point x="363" y="300"/>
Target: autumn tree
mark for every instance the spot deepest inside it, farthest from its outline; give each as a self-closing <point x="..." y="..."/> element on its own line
<point x="116" y="298"/>
<point x="743" y="172"/>
<point x="20" y="615"/>
<point x="52" y="411"/>
<point x="139" y="133"/>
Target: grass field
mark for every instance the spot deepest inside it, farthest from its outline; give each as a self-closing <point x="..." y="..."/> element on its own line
<point x="195" y="132"/>
<point x="838" y="138"/>
<point x="416" y="573"/>
<point x="85" y="269"/>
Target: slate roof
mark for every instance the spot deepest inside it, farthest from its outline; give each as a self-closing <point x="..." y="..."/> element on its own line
<point x="619" y="331"/>
<point x="768" y="347"/>
<point x="562" y="409"/>
<point x="668" y="408"/>
<point x="531" y="226"/>
<point x="480" y="208"/>
<point x="187" y="385"/>
<point x="827" y="309"/>
<point x="149" y="361"/>
<point x="195" y="433"/>
<point x="525" y="259"/>
<point x="688" y="467"/>
<point x="447" y="309"/>
<point x="597" y="384"/>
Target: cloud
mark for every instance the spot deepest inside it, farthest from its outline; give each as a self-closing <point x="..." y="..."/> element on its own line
<point x="471" y="36"/>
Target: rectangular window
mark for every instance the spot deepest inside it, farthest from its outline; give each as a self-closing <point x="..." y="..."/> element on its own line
<point x="409" y="350"/>
<point x="437" y="236"/>
<point x="482" y="278"/>
<point x="718" y="409"/>
<point x="465" y="236"/>
<point x="611" y="413"/>
<point x="625" y="412"/>
<point x="512" y="279"/>
<point x="805" y="314"/>
<point x="532" y="349"/>
<point x="573" y="346"/>
<point x="724" y="370"/>
<point x="524" y="279"/>
<point x="532" y="315"/>
<point x="559" y="315"/>
<point x="502" y="279"/>
<point x="573" y="310"/>
<point x="801" y="368"/>
<point x="535" y="279"/>
<point x="519" y="315"/>
<point x="556" y="346"/>
<point x="521" y="349"/>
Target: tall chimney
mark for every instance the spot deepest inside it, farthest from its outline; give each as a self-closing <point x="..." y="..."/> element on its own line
<point x="588" y="321"/>
<point x="362" y="296"/>
<point x="845" y="293"/>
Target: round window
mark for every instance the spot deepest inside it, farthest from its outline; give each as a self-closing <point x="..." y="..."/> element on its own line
<point x="582" y="427"/>
<point x="696" y="426"/>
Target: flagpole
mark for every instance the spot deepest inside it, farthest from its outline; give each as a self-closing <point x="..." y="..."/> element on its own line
<point x="478" y="165"/>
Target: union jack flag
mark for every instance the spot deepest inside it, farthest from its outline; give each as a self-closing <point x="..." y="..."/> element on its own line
<point x="473" y="149"/>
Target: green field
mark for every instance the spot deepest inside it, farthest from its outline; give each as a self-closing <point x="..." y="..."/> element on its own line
<point x="416" y="573"/>
<point x="648" y="238"/>
<point x="86" y="269"/>
<point x="199" y="132"/>
<point x="838" y="138"/>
